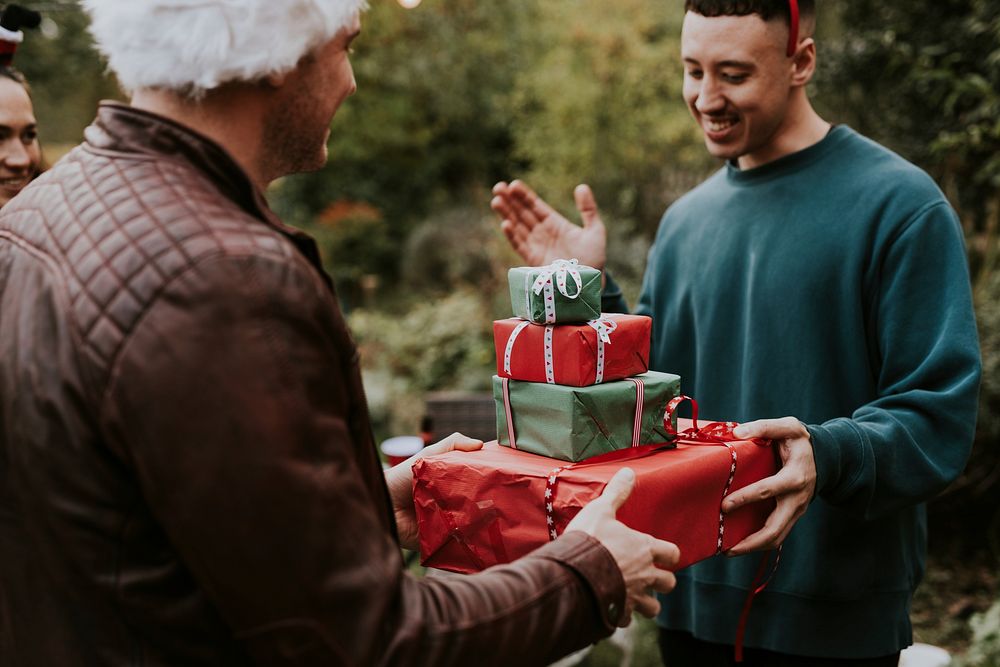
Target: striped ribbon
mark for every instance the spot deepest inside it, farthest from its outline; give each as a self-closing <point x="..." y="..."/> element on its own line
<point x="553" y="478"/>
<point x="640" y="393"/>
<point x="508" y="413"/>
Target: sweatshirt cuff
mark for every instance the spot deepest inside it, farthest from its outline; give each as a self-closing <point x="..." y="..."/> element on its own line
<point x="838" y="456"/>
<point x="611" y="295"/>
<point x="586" y="556"/>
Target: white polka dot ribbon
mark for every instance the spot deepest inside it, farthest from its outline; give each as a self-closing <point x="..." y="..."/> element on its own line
<point x="509" y="351"/>
<point x="550" y="374"/>
<point x="604" y="328"/>
<point x="558" y="272"/>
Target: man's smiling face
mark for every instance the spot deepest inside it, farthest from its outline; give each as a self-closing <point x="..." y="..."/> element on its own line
<point x="737" y="83"/>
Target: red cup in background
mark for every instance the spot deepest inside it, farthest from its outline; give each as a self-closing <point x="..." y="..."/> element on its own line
<point x="400" y="448"/>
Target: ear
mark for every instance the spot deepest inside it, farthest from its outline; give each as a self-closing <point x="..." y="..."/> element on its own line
<point x="276" y="80"/>
<point x="804" y="62"/>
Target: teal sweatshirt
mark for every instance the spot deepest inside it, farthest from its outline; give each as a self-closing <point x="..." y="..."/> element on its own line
<point x="830" y="285"/>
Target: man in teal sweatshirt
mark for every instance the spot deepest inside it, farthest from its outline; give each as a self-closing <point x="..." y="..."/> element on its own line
<point x="816" y="275"/>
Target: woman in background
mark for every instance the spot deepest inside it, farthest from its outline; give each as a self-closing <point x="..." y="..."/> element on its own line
<point x="20" y="154"/>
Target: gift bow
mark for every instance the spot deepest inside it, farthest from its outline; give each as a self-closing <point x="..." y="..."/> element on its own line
<point x="604" y="328"/>
<point x="560" y="269"/>
<point x="713" y="433"/>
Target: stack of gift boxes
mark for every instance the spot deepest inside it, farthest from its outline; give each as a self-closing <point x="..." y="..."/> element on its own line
<point x="575" y="403"/>
<point x="573" y="383"/>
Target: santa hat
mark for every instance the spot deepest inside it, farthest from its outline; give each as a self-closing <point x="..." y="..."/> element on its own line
<point x="193" y="46"/>
<point x="13" y="18"/>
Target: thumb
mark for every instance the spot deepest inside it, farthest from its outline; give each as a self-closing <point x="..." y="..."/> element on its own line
<point x="586" y="204"/>
<point x="619" y="488"/>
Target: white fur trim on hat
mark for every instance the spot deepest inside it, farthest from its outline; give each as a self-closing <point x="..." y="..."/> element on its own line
<point x="197" y="45"/>
<point x="13" y="36"/>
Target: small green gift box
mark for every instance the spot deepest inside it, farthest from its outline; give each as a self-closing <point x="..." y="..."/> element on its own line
<point x="576" y="423"/>
<point x="564" y="291"/>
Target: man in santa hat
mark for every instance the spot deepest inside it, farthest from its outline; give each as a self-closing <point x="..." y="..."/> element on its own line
<point x="185" y="447"/>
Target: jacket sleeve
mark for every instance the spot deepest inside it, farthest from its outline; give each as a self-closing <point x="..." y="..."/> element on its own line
<point x="229" y="401"/>
<point x="915" y="437"/>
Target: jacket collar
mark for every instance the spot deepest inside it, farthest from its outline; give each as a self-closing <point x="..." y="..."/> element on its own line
<point x="120" y="128"/>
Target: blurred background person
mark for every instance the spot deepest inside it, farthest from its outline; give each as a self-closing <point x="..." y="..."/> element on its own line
<point x="20" y="152"/>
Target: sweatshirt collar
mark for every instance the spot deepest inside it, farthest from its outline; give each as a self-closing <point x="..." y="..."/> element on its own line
<point x="788" y="164"/>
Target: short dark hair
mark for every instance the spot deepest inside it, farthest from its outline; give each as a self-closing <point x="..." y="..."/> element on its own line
<point x="9" y="72"/>
<point x="766" y="9"/>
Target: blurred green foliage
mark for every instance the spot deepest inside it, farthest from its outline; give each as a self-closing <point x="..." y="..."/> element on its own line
<point x="67" y="77"/>
<point x="985" y="648"/>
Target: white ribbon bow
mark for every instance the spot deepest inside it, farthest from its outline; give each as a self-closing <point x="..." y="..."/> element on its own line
<point x="604" y="328"/>
<point x="560" y="269"/>
<point x="556" y="272"/>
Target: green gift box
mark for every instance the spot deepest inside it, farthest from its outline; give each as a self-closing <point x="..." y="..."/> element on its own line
<point x="563" y="291"/>
<point x="576" y="423"/>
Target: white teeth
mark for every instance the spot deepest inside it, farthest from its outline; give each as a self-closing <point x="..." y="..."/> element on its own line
<point x="719" y="125"/>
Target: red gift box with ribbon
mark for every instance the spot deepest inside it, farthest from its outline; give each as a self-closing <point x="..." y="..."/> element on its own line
<point x="603" y="350"/>
<point x="478" y="509"/>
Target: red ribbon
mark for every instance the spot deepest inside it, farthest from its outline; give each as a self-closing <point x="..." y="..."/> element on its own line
<point x="721" y="433"/>
<point x="793" y="27"/>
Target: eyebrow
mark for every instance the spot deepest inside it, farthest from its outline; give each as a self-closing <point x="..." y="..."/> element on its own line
<point x="741" y="64"/>
<point x="10" y="128"/>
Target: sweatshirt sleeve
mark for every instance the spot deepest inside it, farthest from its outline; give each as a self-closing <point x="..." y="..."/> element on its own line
<point x="612" y="299"/>
<point x="228" y="400"/>
<point x="914" y="438"/>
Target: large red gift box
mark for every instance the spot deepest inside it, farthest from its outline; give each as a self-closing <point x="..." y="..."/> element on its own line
<point x="478" y="509"/>
<point x="607" y="349"/>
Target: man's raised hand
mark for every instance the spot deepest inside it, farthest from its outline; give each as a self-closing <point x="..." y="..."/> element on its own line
<point x="540" y="234"/>
<point x="640" y="557"/>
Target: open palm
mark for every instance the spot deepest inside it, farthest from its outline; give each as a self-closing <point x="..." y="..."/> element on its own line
<point x="540" y="234"/>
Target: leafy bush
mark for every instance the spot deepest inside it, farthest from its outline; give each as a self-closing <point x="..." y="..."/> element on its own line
<point x="461" y="247"/>
<point x="985" y="648"/>
<point x="444" y="343"/>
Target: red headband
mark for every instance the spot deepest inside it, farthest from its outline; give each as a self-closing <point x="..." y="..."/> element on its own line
<point x="793" y="27"/>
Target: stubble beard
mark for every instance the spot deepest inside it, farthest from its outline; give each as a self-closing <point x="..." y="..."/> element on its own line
<point x="295" y="137"/>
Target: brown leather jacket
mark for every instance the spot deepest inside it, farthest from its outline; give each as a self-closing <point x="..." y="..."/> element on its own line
<point x="187" y="472"/>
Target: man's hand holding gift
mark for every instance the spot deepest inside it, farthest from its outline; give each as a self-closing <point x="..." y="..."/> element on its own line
<point x="643" y="559"/>
<point x="399" y="479"/>
<point x="792" y="487"/>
